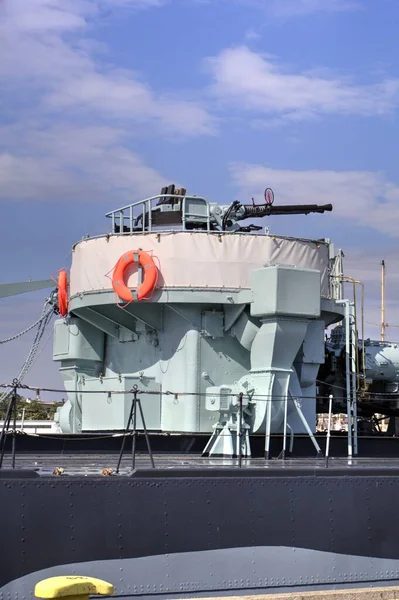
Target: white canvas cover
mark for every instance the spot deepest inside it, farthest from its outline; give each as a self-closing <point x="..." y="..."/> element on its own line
<point x="193" y="260"/>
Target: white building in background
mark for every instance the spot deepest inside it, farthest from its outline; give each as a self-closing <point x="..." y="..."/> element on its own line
<point x="39" y="427"/>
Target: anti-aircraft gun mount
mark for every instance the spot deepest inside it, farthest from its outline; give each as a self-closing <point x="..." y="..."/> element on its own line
<point x="173" y="207"/>
<point x="234" y="299"/>
<point x="225" y="314"/>
<point x="253" y="315"/>
<point x="231" y="314"/>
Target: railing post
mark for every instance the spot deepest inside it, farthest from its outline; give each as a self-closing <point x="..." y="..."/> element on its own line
<point x="268" y="426"/>
<point x="134" y="431"/>
<point x="285" y="427"/>
<point x="11" y="410"/>
<point x="239" y="426"/>
<point x="14" y="426"/>
<point x="330" y="399"/>
<point x="147" y="439"/>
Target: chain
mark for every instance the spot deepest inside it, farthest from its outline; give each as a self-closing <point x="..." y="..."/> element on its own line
<point x="41" y="323"/>
<point x="21" y="333"/>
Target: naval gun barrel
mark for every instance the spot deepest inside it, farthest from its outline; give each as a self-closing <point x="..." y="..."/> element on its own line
<point x="264" y="210"/>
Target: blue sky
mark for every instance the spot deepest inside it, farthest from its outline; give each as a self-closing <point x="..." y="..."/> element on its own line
<point x="104" y="101"/>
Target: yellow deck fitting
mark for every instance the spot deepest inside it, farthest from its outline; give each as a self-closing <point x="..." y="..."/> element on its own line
<point x="74" y="587"/>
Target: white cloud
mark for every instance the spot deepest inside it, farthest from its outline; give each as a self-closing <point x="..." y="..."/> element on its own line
<point x="56" y="82"/>
<point x="37" y="54"/>
<point x="50" y="15"/>
<point x="251" y="34"/>
<point x="363" y="197"/>
<point x="118" y="95"/>
<point x="65" y="162"/>
<point x="254" y="82"/>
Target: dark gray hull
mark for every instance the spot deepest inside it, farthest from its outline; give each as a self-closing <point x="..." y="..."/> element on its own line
<point x="226" y="572"/>
<point x="204" y="531"/>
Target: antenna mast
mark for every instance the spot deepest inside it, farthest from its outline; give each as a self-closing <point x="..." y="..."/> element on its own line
<point x="383" y="324"/>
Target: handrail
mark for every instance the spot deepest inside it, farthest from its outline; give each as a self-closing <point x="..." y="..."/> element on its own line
<point x="146" y="211"/>
<point x="150" y="198"/>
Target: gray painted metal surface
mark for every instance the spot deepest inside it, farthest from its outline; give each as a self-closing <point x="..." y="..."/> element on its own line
<point x="191" y="350"/>
<point x="13" y="289"/>
<point x="246" y="528"/>
<point x="235" y="571"/>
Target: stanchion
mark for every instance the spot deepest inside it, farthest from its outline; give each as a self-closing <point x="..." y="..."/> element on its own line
<point x="285" y="427"/>
<point x="239" y="425"/>
<point x="330" y="399"/>
<point x="268" y="426"/>
<point x="11" y="412"/>
<point x="14" y="426"/>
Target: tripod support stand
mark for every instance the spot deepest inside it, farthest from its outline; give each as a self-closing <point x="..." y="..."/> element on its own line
<point x="132" y="421"/>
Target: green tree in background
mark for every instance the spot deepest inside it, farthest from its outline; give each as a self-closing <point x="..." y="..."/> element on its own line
<point x="34" y="410"/>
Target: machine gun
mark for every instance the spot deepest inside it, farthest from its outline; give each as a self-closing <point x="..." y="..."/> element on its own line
<point x="228" y="216"/>
<point x="285" y="209"/>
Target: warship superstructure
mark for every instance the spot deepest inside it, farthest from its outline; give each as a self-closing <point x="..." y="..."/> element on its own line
<point x="227" y="312"/>
<point x="190" y="330"/>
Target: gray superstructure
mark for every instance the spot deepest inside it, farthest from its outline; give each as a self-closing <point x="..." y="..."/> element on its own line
<point x="236" y="312"/>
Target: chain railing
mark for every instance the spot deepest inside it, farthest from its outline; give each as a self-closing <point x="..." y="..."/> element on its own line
<point x="136" y="408"/>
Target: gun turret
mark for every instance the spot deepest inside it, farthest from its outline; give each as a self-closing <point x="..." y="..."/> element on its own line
<point x="175" y="208"/>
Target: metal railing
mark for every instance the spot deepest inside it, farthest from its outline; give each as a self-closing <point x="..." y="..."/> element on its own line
<point x="9" y="425"/>
<point x="153" y="213"/>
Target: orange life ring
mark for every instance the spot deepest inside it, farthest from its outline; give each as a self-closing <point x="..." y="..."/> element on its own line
<point x="62" y="293"/>
<point x="150" y="275"/>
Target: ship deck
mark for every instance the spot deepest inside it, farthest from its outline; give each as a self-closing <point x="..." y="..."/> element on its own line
<point x="100" y="464"/>
<point x="197" y="527"/>
<point x="97" y="455"/>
